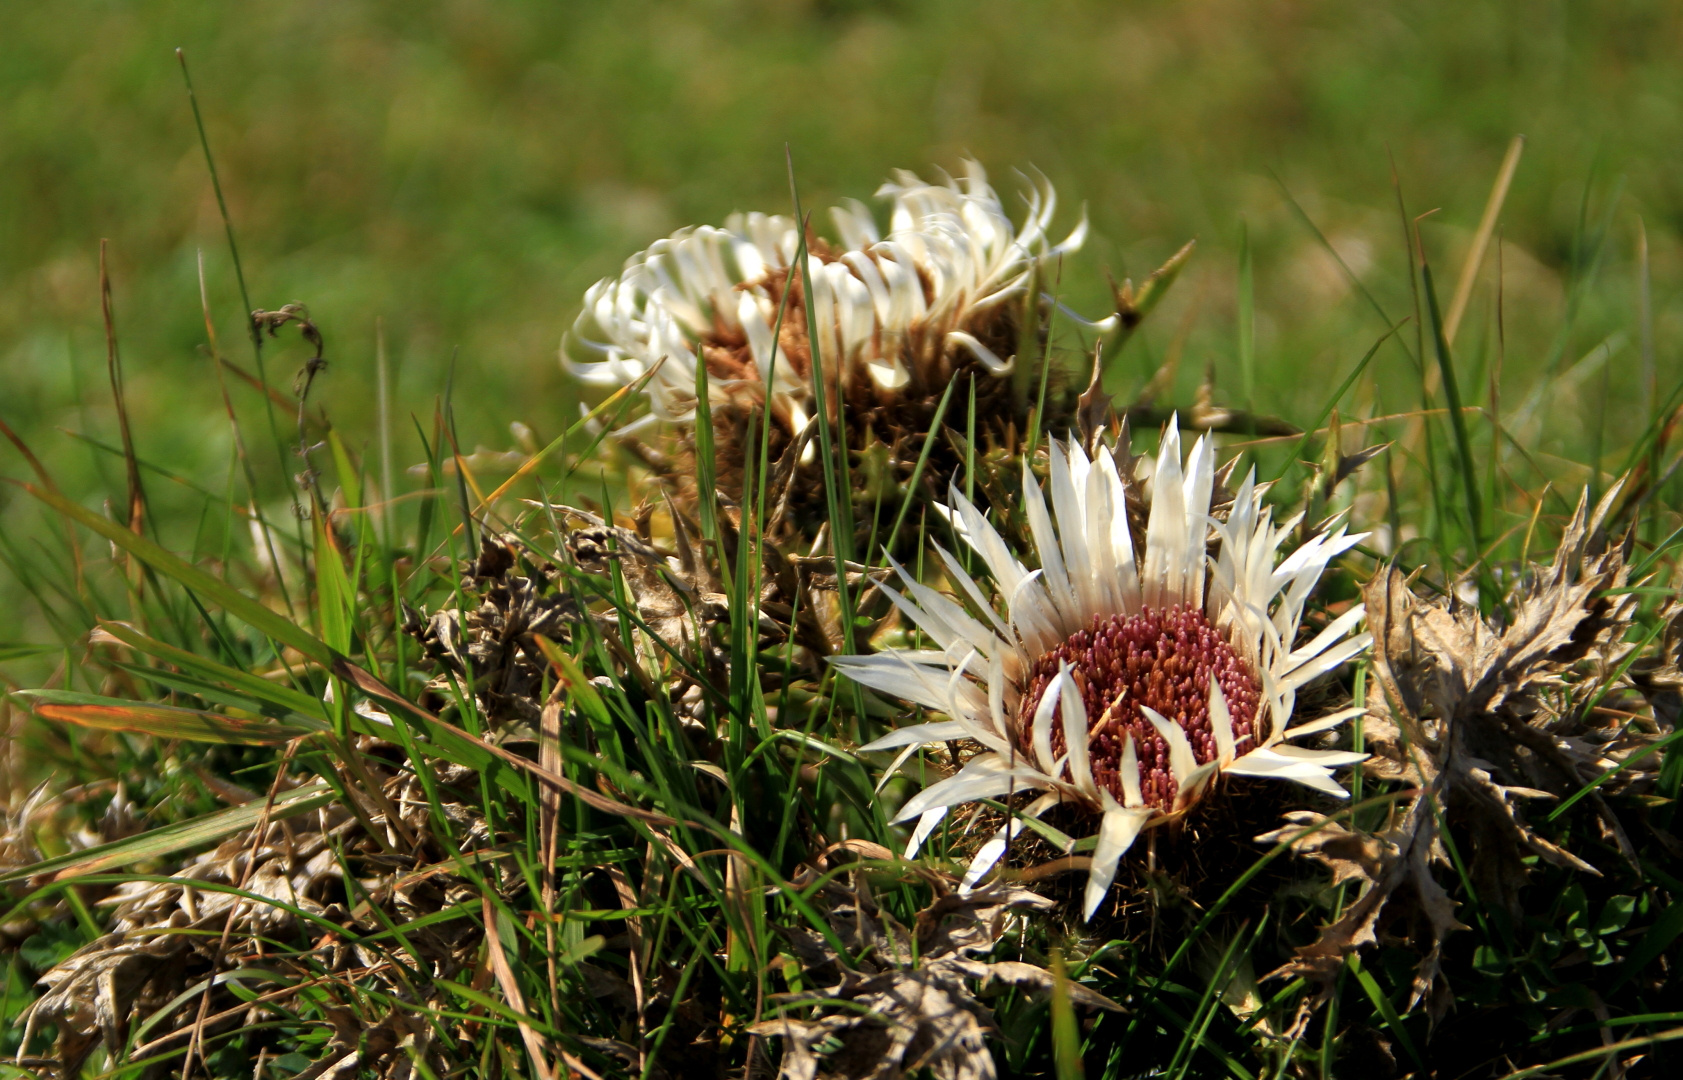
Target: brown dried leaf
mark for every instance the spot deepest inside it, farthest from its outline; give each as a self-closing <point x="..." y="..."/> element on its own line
<point x="1478" y="717"/>
<point x="911" y="1000"/>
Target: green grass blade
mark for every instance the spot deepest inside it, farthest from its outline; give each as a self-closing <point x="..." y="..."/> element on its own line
<point x="1383" y="1005"/>
<point x="838" y="492"/>
<point x="248" y="684"/>
<point x="1335" y="398"/>
<point x="917" y="470"/>
<point x="20" y="651"/>
<point x="1066" y="1037"/>
<point x="171" y="839"/>
<point x="172" y="566"/>
<point x="1247" y="319"/>
<point x="1356" y="283"/>
<point x="1457" y="418"/>
<point x="336" y="602"/>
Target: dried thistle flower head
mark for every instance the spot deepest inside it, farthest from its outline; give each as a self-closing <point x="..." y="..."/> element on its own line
<point x="1121" y="676"/>
<point x="898" y="319"/>
<point x="897" y="315"/>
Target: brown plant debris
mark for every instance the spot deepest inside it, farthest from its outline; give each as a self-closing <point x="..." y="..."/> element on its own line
<point x="673" y="628"/>
<point x="171" y="941"/>
<point x="1481" y="718"/>
<point x="909" y="1003"/>
<point x="496" y="638"/>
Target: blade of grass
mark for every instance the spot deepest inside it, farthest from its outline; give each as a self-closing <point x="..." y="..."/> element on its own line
<point x="1337" y="395"/>
<point x="1247" y="319"/>
<point x="838" y="492"/>
<point x="114" y="369"/>
<point x="164" y="721"/>
<point x="1066" y="1037"/>
<point x="246" y="308"/>
<point x="240" y="452"/>
<point x="1037" y="415"/>
<point x="1383" y="1005"/>
<point x="917" y="470"/>
<point x="383" y="426"/>
<point x="170" y="839"/>
<point x="1457" y="419"/>
<point x="1604" y="1053"/>
<point x="252" y="685"/>
<point x="1192" y="1040"/>
<point x="706" y="483"/>
<point x="190" y="577"/>
<point x="1356" y="283"/>
<point x="1481" y="238"/>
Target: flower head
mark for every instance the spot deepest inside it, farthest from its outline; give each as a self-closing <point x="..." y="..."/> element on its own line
<point x="1120" y="676"/>
<point x="895" y="315"/>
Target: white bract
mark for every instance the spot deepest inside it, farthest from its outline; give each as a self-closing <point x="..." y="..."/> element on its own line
<point x="1122" y="679"/>
<point x="884" y="305"/>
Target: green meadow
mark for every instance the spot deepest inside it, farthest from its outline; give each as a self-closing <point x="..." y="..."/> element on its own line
<point x="462" y="171"/>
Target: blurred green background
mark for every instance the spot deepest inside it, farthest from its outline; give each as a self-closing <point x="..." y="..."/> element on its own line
<point x="464" y="170"/>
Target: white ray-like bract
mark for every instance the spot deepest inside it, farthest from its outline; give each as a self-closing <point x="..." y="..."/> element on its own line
<point x="1123" y="677"/>
<point x="922" y="294"/>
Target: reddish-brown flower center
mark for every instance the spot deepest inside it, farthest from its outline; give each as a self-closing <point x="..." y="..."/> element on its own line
<point x="1163" y="659"/>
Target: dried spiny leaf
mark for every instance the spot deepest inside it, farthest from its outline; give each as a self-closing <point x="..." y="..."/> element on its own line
<point x="496" y="637"/>
<point x="910" y="1000"/>
<point x="1479" y="716"/>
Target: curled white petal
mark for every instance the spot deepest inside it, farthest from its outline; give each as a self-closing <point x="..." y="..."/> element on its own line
<point x="983" y="777"/>
<point x="1075" y="738"/>
<point x="1181" y="759"/>
<point x="990" y="853"/>
<point x="919" y="735"/>
<point x="1118" y="829"/>
<point x="1324" y="723"/>
<point x="986" y="356"/>
<point x="1221" y="724"/>
<point x="1288" y="763"/>
<point x="925" y="825"/>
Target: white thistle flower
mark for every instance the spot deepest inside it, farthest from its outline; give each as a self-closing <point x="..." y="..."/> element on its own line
<point x="1127" y="684"/>
<point x="895" y="314"/>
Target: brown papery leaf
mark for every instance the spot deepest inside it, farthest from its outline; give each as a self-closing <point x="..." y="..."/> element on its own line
<point x="1482" y="717"/>
<point x="910" y="1002"/>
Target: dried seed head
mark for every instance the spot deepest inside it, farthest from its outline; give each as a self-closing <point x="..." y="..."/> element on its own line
<point x="878" y="325"/>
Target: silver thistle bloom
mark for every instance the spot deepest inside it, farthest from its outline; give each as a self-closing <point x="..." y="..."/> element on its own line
<point x="1126" y="682"/>
<point x="896" y="311"/>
